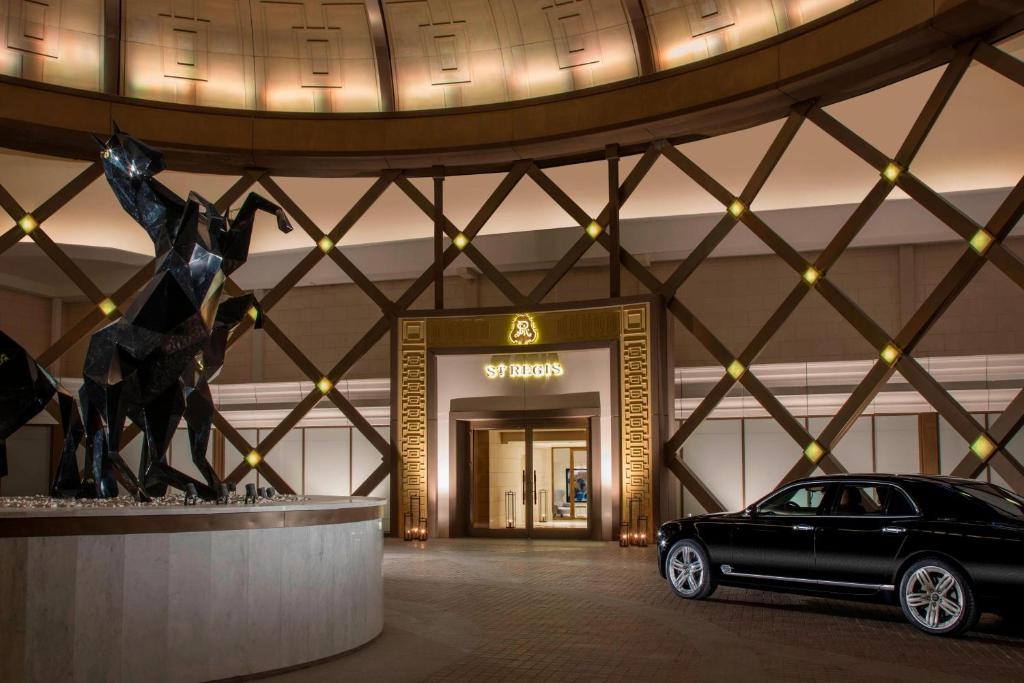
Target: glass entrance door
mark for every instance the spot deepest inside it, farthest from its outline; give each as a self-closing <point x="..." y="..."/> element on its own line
<point x="530" y="480"/>
<point x="561" y="472"/>
<point x="498" y="479"/>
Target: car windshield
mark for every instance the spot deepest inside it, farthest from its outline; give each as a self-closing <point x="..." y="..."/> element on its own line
<point x="800" y="500"/>
<point x="1002" y="501"/>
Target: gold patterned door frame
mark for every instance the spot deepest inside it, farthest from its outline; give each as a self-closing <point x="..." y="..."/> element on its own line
<point x="628" y="324"/>
<point x="637" y="417"/>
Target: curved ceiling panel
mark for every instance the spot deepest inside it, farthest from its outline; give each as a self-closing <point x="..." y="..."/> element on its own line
<point x="331" y="56"/>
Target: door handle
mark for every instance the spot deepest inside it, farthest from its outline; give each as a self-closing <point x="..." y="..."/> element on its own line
<point x="803" y="527"/>
<point x="524" y="487"/>
<point x="893" y="530"/>
<point x="535" y="487"/>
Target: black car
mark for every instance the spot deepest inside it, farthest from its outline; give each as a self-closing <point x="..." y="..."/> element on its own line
<point x="947" y="549"/>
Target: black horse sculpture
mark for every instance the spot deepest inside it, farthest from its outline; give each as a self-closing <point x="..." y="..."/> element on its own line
<point x="25" y="389"/>
<point x="153" y="365"/>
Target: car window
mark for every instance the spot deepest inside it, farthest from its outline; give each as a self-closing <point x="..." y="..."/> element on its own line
<point x="801" y="500"/>
<point x="899" y="504"/>
<point x="871" y="500"/>
<point x="1005" y="503"/>
<point x="858" y="499"/>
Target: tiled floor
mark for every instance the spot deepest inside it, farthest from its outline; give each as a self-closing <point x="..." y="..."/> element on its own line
<point x="478" y="610"/>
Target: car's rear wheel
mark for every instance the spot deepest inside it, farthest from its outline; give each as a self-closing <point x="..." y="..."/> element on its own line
<point x="937" y="598"/>
<point x="689" y="570"/>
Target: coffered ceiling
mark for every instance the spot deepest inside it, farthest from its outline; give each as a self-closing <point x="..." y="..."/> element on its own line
<point x="374" y="55"/>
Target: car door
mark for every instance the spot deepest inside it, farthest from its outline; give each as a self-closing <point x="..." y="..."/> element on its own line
<point x="775" y="540"/>
<point x="860" y="535"/>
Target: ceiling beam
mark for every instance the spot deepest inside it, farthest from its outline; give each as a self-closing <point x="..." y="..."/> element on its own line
<point x="382" y="53"/>
<point x="646" y="62"/>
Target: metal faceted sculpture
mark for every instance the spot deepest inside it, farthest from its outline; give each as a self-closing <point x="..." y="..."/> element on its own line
<point x="153" y="365"/>
<point x="25" y="389"/>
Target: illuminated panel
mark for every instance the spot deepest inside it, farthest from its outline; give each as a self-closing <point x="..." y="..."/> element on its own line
<point x="686" y="31"/>
<point x="187" y="53"/>
<point x="449" y="53"/>
<point x="571" y="44"/>
<point x="318" y="55"/>
<point x="445" y="54"/>
<point x="314" y="56"/>
<point x="54" y="41"/>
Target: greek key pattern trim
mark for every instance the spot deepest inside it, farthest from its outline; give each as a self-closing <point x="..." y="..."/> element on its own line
<point x="637" y="414"/>
<point x="412" y="429"/>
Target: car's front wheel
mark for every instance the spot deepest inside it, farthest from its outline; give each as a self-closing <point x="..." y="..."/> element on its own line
<point x="937" y="598"/>
<point x="689" y="570"/>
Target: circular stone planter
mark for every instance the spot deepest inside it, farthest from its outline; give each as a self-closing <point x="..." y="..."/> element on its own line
<point x="178" y="593"/>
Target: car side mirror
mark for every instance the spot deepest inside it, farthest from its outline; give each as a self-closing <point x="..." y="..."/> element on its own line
<point x="751" y="511"/>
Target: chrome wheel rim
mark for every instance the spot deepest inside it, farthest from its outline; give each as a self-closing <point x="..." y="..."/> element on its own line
<point x="934" y="598"/>
<point x="685" y="570"/>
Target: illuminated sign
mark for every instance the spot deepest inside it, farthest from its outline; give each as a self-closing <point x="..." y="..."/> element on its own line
<point x="523" y="330"/>
<point x="524" y="370"/>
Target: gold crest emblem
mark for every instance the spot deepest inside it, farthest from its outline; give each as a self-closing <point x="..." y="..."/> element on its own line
<point x="523" y="330"/>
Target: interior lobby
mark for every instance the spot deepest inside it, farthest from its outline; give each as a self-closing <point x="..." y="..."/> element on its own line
<point x="379" y="340"/>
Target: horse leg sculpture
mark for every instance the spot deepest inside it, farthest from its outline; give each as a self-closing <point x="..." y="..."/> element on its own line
<point x="198" y="418"/>
<point x="234" y="243"/>
<point x="67" y="480"/>
<point x="97" y="480"/>
<point x="161" y="417"/>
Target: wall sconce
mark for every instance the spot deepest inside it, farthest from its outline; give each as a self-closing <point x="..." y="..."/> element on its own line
<point x="890" y="354"/>
<point x="814" y="452"/>
<point x="28" y="223"/>
<point x="325" y="244"/>
<point x="892" y="172"/>
<point x="594" y="229"/>
<point x="737" y="208"/>
<point x="981" y="241"/>
<point x="460" y="241"/>
<point x="325" y="385"/>
<point x="736" y="369"/>
<point x="107" y="306"/>
<point x="983" y="447"/>
<point x="811" y="275"/>
<point x="510" y="509"/>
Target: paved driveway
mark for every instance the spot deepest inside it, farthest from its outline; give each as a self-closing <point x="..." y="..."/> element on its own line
<point x="477" y="610"/>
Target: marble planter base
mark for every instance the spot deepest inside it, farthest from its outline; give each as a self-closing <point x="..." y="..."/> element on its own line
<point x="189" y="606"/>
